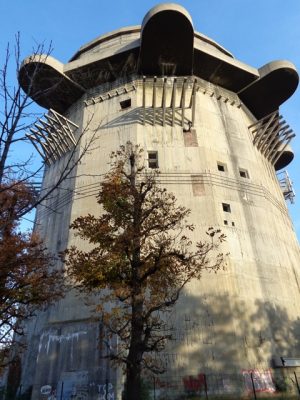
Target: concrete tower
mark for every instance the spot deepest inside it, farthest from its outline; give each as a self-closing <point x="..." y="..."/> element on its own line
<point x="213" y="127"/>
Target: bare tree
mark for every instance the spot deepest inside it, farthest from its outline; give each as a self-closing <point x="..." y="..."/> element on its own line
<point x="17" y="115"/>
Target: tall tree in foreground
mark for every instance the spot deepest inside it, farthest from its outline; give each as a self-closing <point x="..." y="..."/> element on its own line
<point x="140" y="253"/>
<point x="27" y="283"/>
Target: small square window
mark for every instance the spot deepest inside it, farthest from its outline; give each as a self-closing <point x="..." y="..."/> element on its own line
<point x="225" y="222"/>
<point x="232" y="223"/>
<point x="125" y="104"/>
<point x="243" y="173"/>
<point x="221" y="167"/>
<point x="226" y="207"/>
<point x="152" y="159"/>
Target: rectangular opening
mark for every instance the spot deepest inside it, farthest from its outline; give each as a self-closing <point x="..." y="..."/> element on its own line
<point x="226" y="207"/>
<point x="222" y="167"/>
<point x="243" y="173"/>
<point x="225" y="222"/>
<point x="125" y="104"/>
<point x="232" y="223"/>
<point x="152" y="159"/>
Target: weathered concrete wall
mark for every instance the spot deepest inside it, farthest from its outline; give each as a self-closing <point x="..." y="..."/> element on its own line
<point x="228" y="323"/>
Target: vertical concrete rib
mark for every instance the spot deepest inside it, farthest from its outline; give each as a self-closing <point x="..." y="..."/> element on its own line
<point x="173" y="101"/>
<point x="154" y="100"/>
<point x="163" y="103"/>
<point x="193" y="101"/>
<point x="182" y="102"/>
<point x="144" y="100"/>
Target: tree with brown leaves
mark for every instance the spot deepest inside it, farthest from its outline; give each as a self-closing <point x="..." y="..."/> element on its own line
<point x="139" y="261"/>
<point x="27" y="282"/>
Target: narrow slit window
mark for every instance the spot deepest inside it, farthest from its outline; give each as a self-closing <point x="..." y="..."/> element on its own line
<point x="232" y="223"/>
<point x="125" y="104"/>
<point x="152" y="159"/>
<point x="226" y="207"/>
<point x="243" y="173"/>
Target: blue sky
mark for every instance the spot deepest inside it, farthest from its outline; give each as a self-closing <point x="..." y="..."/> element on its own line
<point x="255" y="31"/>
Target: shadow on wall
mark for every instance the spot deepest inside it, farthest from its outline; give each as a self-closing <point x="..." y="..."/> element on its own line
<point x="224" y="345"/>
<point x="138" y="116"/>
<point x="221" y="346"/>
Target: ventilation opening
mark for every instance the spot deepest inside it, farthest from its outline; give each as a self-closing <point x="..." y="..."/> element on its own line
<point x="226" y="207"/>
<point x="152" y="159"/>
<point x="221" y="167"/>
<point x="125" y="104"/>
<point x="243" y="173"/>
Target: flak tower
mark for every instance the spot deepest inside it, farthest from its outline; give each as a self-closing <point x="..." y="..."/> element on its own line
<point x="212" y="125"/>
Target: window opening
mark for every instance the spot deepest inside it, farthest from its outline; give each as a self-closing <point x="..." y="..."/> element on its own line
<point x="232" y="223"/>
<point x="225" y="222"/>
<point x="152" y="159"/>
<point x="226" y="207"/>
<point x="221" y="167"/>
<point x="243" y="173"/>
<point x="125" y="104"/>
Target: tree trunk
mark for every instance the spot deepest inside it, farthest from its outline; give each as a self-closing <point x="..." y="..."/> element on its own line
<point x="133" y="383"/>
<point x="135" y="355"/>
